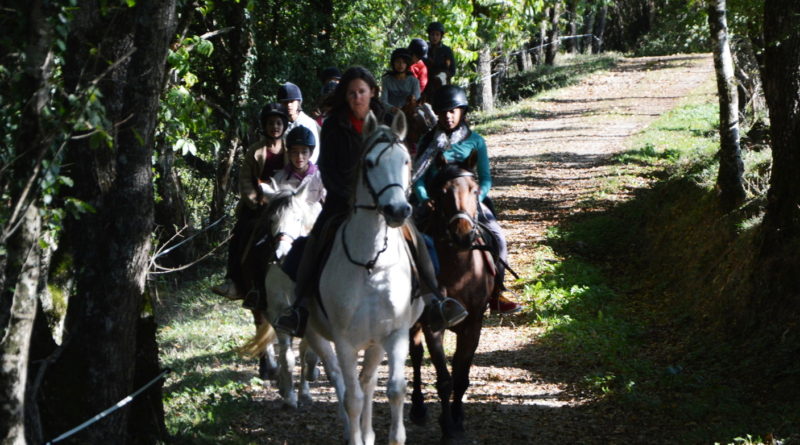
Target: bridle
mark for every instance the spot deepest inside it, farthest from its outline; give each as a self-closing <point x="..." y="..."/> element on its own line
<point x="474" y="224"/>
<point x="391" y="140"/>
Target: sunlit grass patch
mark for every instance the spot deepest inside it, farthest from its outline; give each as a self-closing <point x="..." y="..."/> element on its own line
<point x="210" y="387"/>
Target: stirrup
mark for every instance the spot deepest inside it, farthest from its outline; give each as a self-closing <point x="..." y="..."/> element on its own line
<point x="292" y="321"/>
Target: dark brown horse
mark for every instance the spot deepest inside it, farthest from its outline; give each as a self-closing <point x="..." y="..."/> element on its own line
<point x="467" y="274"/>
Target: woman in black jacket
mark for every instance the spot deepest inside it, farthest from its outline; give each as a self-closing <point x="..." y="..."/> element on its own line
<point x="340" y="153"/>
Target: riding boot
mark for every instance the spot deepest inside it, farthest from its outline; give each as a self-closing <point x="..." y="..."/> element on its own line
<point x="294" y="319"/>
<point x="441" y="311"/>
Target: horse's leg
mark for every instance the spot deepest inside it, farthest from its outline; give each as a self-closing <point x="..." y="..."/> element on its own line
<point x="310" y="362"/>
<point x="286" y="360"/>
<point x="323" y="348"/>
<point x="444" y="382"/>
<point x="267" y="366"/>
<point x="419" y="412"/>
<point x="466" y="345"/>
<point x="308" y="359"/>
<point x="353" y="396"/>
<point x="397" y="348"/>
<point x="368" y="380"/>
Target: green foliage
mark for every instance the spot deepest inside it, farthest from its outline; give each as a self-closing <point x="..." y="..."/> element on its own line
<point x="680" y="27"/>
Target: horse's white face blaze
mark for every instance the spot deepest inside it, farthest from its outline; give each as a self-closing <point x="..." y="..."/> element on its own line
<point x="387" y="170"/>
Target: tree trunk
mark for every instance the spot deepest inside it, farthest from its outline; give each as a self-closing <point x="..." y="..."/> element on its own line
<point x="731" y="167"/>
<point x="572" y="26"/>
<point x="23" y="265"/>
<point x="542" y="41"/>
<point x="523" y="58"/>
<point x="171" y="215"/>
<point x="782" y="91"/>
<point x="588" y="27"/>
<point x="231" y="76"/>
<point x="553" y="35"/>
<point x="110" y="247"/>
<point x="599" y="30"/>
<point x="18" y="294"/>
<point x="485" y="83"/>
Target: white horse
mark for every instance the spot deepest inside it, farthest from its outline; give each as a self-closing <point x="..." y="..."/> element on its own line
<point x="290" y="217"/>
<point x="366" y="286"/>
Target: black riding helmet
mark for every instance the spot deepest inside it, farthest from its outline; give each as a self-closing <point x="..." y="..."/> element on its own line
<point x="289" y="91"/>
<point x="301" y="135"/>
<point x="273" y="109"/>
<point x="436" y="26"/>
<point x="449" y="97"/>
<point x="330" y="72"/>
<point x="419" y="48"/>
<point x="400" y="53"/>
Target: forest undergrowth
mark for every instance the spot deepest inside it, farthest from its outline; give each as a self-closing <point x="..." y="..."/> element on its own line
<point x="633" y="292"/>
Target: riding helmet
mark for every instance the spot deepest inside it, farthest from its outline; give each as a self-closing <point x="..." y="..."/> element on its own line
<point x="419" y="48"/>
<point x="301" y="135"/>
<point x="330" y="72"/>
<point x="289" y="91"/>
<point x="400" y="53"/>
<point x="436" y="26"/>
<point x="449" y="97"/>
<point x="273" y="109"/>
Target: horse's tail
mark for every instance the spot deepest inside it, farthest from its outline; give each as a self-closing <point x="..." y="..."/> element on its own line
<point x="254" y="347"/>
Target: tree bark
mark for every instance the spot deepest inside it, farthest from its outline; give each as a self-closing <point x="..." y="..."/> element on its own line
<point x="553" y="35"/>
<point x="18" y="294"/>
<point x="110" y="247"/>
<point x="731" y="167"/>
<point x="485" y="75"/>
<point x="599" y="30"/>
<point x="23" y="262"/>
<point x="572" y="26"/>
<point x="524" y="58"/>
<point x="782" y="91"/>
<point x="588" y="27"/>
<point x="542" y="41"/>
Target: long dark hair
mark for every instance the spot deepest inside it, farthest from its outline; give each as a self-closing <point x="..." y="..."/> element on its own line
<point x="340" y="104"/>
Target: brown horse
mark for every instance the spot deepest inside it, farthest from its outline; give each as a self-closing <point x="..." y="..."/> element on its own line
<point x="467" y="274"/>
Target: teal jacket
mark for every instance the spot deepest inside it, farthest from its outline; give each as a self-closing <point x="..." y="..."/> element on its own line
<point x="458" y="153"/>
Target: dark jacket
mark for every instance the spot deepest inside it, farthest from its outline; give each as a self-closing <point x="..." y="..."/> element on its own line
<point x="437" y="57"/>
<point x="340" y="152"/>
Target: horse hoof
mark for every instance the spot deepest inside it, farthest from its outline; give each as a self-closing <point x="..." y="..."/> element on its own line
<point x="306" y="398"/>
<point x="266" y="372"/>
<point x="289" y="405"/>
<point x="418" y="415"/>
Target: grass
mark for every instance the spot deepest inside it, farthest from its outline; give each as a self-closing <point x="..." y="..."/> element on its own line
<point x="210" y="389"/>
<point x="612" y="287"/>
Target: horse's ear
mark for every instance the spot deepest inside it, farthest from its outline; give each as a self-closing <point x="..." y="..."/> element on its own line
<point x="399" y="125"/>
<point x="472" y="160"/>
<point x="441" y="161"/>
<point x="370" y="124"/>
<point x="302" y="190"/>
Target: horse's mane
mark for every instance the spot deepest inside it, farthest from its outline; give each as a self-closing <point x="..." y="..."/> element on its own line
<point x="279" y="203"/>
<point x="450" y="171"/>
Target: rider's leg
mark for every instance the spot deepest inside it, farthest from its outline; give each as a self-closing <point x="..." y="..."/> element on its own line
<point x="443" y="311"/>
<point x="232" y="287"/>
<point x="499" y="302"/>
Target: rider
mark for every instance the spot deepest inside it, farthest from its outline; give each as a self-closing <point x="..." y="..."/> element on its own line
<point x="260" y="163"/>
<point x="440" y="56"/>
<point x="398" y="84"/>
<point x="454" y="139"/>
<point x="299" y="170"/>
<point x="291" y="97"/>
<point x="340" y="154"/>
<point x="419" y="53"/>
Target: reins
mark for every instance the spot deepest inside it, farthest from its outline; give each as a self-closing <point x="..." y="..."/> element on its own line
<point x="391" y="140"/>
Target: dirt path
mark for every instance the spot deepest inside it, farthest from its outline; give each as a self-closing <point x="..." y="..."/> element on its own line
<point x="542" y="167"/>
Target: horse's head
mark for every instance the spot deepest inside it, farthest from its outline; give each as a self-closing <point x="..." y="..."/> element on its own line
<point x="455" y="195"/>
<point x="385" y="170"/>
<point x="290" y="216"/>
